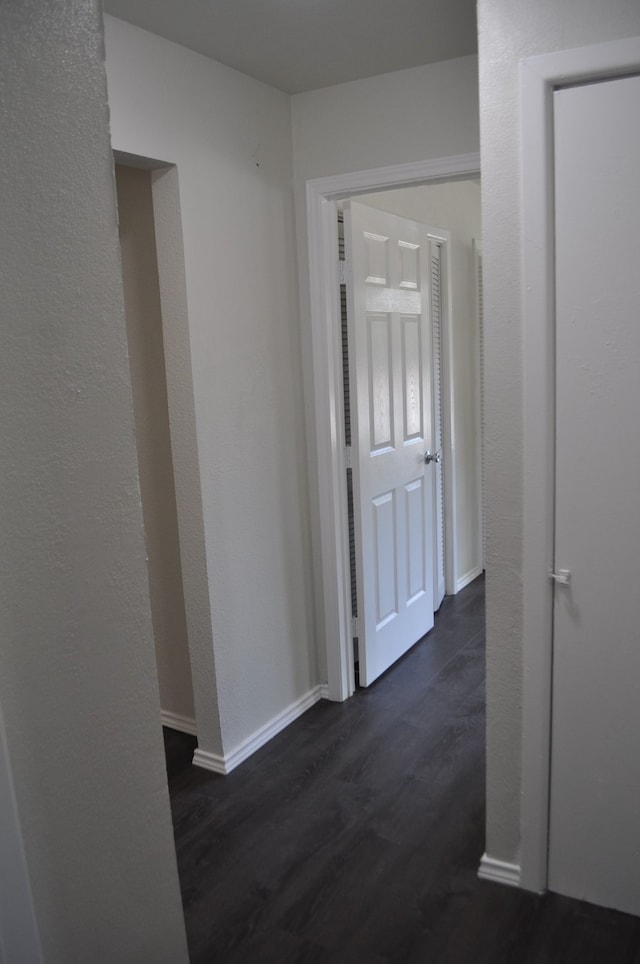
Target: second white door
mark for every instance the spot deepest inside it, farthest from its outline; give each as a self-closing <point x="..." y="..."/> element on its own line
<point x="594" y="842"/>
<point x="394" y="488"/>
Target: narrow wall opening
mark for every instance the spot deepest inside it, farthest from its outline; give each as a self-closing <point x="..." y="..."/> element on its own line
<point x="153" y="441"/>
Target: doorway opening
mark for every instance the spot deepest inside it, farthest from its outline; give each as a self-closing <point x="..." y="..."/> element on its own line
<point x="164" y="414"/>
<point x="153" y="443"/>
<point x="379" y="187"/>
<point x="427" y="244"/>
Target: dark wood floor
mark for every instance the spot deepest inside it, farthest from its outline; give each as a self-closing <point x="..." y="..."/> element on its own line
<point x="354" y="837"/>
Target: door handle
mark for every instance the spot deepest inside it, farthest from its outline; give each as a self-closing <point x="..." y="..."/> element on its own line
<point x="561" y="576"/>
<point x="436" y="457"/>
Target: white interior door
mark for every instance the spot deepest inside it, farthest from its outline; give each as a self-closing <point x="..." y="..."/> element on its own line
<point x="394" y="491"/>
<point x="594" y="844"/>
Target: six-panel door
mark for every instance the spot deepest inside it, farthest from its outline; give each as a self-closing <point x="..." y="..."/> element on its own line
<point x="394" y="493"/>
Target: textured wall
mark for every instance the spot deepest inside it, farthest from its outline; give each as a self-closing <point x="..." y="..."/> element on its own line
<point x="19" y="937"/>
<point x="510" y="30"/>
<point x="77" y="675"/>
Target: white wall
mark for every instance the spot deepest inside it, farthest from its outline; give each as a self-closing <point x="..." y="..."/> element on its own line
<point x="230" y="138"/>
<point x="136" y="230"/>
<point x="510" y="30"/>
<point x="409" y="115"/>
<point x="455" y="206"/>
<point x="77" y="677"/>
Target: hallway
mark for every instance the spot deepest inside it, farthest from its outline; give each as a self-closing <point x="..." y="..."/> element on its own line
<point x="356" y="834"/>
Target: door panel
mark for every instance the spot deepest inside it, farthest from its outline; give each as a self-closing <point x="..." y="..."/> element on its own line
<point x="381" y="381"/>
<point x="394" y="498"/>
<point x="416" y="526"/>
<point x="412" y="377"/>
<point x="384" y="532"/>
<point x="594" y="845"/>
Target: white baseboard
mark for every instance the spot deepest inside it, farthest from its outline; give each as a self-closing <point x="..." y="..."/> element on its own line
<point x="468" y="577"/>
<point x="499" y="871"/>
<point x="225" y="764"/>
<point x="324" y="691"/>
<point x="209" y="761"/>
<point x="184" y="724"/>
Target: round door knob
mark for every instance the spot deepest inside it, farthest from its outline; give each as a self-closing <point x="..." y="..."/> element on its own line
<point x="432" y="458"/>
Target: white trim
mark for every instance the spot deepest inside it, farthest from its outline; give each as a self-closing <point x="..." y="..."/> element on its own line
<point x="479" y="399"/>
<point x="499" y="871"/>
<point x="210" y="761"/>
<point x="225" y="764"/>
<point x="448" y="420"/>
<point x="468" y="577"/>
<point x="323" y="689"/>
<point x="174" y="721"/>
<point x="338" y="186"/>
<point x="327" y="367"/>
<point x="539" y="77"/>
<point x="326" y="349"/>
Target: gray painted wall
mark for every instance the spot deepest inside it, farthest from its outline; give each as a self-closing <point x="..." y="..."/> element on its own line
<point x="77" y="678"/>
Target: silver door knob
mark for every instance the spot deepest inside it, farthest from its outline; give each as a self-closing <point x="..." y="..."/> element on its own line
<point x="436" y="457"/>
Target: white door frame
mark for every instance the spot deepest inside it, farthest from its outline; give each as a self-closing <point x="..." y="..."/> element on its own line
<point x="539" y="77"/>
<point x="321" y="193"/>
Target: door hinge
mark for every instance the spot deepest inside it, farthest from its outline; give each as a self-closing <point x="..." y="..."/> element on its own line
<point x="347" y="456"/>
<point x="355" y="631"/>
<point x="344" y="269"/>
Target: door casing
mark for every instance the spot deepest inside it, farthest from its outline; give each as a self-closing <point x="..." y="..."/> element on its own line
<point x="321" y="195"/>
<point x="539" y="77"/>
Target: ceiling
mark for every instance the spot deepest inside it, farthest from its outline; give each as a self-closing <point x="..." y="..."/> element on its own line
<point x="298" y="45"/>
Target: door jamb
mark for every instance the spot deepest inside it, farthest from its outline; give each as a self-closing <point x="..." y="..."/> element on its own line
<point x="321" y="193"/>
<point x="539" y="77"/>
<point x="447" y="420"/>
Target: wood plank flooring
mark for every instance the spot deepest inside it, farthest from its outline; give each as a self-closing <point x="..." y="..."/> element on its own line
<point x="354" y="837"/>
